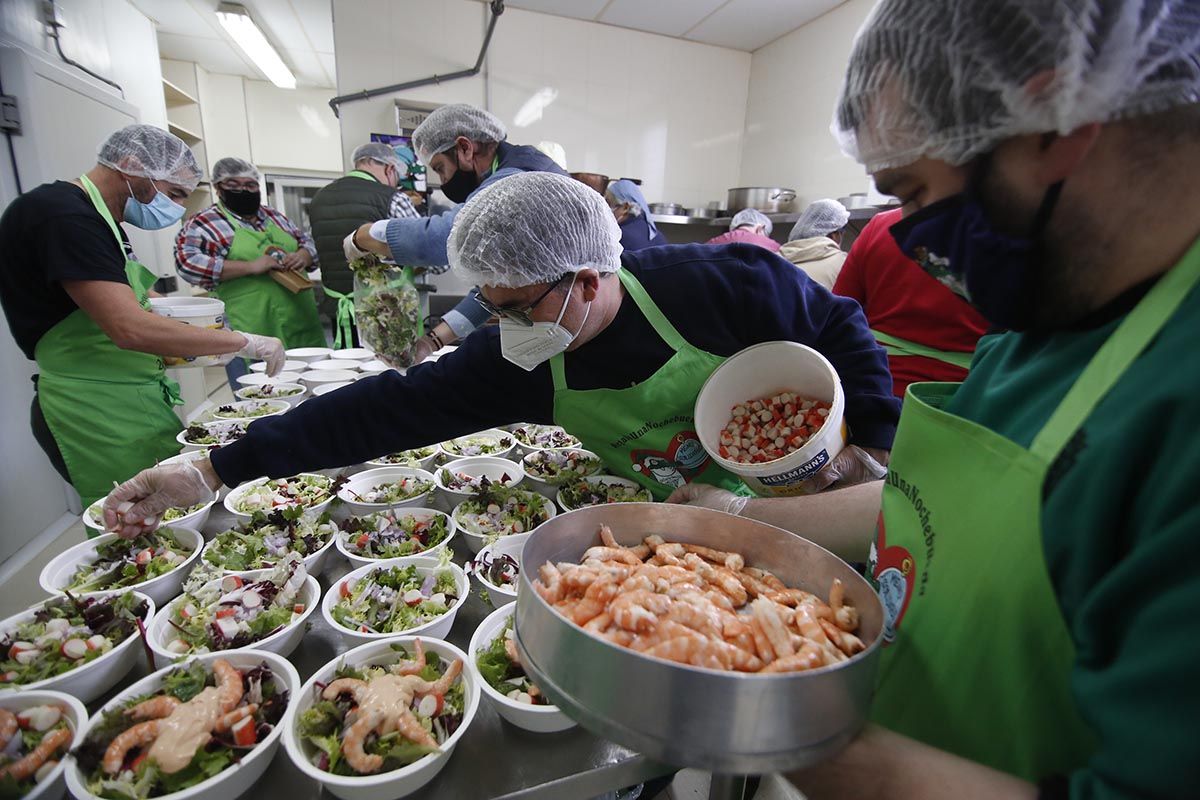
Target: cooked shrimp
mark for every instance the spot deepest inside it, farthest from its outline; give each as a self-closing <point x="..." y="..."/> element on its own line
<point x="343" y="686"/>
<point x="442" y="684"/>
<point x="595" y="600"/>
<point x="155" y="707"/>
<point x="229" y="684"/>
<point x="139" y="735"/>
<point x="510" y="649"/>
<point x="549" y="586"/>
<point x="807" y="622"/>
<point x="766" y="577"/>
<point x="768" y="617"/>
<point x="702" y="652"/>
<point x="762" y="645"/>
<point x="8" y="726"/>
<point x="606" y="536"/>
<point x="356" y="737"/>
<point x="848" y="643"/>
<point x="639" y="611"/>
<point x="810" y="656"/>
<point x="732" y="561"/>
<point x="412" y="730"/>
<point x="412" y="666"/>
<point x="618" y="554"/>
<point x="33" y="760"/>
<point x="844" y="616"/>
<point x="227" y="721"/>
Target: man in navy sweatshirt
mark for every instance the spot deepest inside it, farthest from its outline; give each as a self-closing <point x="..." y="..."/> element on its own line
<point x="612" y="346"/>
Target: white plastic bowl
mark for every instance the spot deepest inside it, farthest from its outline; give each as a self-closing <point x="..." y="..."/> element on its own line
<point x="476" y="540"/>
<point x="275" y="408"/>
<point x="219" y="424"/>
<point x="495" y="434"/>
<point x="547" y="488"/>
<point x="510" y="545"/>
<point x="315" y="377"/>
<point x="160" y="632"/>
<point x="313" y="564"/>
<point x="607" y="480"/>
<point x="524" y="449"/>
<point x="370" y="478"/>
<point x="57" y="574"/>
<point x="289" y="365"/>
<point x="233" y="780"/>
<point x="292" y="400"/>
<point x="335" y="365"/>
<point x="537" y="719"/>
<point x="309" y="354"/>
<point x="425" y="463"/>
<point x="89" y="681"/>
<point x="261" y="378"/>
<point x="437" y="629"/>
<point x="326" y="388"/>
<point x="492" y="467"/>
<point x="195" y="520"/>
<point x="384" y="785"/>
<point x="354" y="354"/>
<point x="51" y="786"/>
<point x="374" y="365"/>
<point x="232" y="499"/>
<point x="357" y="560"/>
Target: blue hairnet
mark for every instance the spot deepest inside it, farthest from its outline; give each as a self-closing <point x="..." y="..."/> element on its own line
<point x="626" y="191"/>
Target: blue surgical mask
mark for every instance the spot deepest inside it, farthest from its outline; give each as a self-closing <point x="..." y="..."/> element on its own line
<point x="954" y="241"/>
<point x="159" y="213"/>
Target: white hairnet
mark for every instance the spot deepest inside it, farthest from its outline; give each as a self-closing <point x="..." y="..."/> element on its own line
<point x="376" y="151"/>
<point x="951" y="80"/>
<point x="750" y="216"/>
<point x="533" y="227"/>
<point x="230" y="167"/>
<point x="821" y="218"/>
<point x="150" y="152"/>
<point x="439" y="130"/>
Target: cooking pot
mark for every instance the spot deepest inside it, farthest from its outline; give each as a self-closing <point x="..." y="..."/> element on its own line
<point x="668" y="209"/>
<point x="770" y="199"/>
<point x="854" y="200"/>
<point x="705" y="213"/>
<point x="593" y="179"/>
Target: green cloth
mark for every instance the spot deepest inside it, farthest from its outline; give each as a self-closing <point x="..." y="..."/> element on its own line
<point x="1121" y="538"/>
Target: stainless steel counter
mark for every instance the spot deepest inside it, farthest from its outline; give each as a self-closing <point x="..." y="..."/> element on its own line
<point x="492" y="760"/>
<point x="856" y="215"/>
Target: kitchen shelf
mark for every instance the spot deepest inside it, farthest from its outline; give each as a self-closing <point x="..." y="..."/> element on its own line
<point x="176" y="96"/>
<point x="188" y="137"/>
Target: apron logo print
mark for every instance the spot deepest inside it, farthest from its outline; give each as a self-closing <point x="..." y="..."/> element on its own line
<point x="893" y="571"/>
<point x="683" y="461"/>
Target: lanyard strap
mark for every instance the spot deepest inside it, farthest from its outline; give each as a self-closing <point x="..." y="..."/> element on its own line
<point x="896" y="346"/>
<point x="344" y="324"/>
<point x="366" y="176"/>
<point x="1120" y="350"/>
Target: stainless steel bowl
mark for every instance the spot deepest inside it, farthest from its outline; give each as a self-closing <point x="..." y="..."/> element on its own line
<point x="724" y="722"/>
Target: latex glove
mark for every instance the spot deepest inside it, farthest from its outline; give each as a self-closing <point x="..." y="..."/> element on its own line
<point x="264" y="348"/>
<point x="852" y="465"/>
<point x="704" y="496"/>
<point x="352" y="250"/>
<point x="136" y="506"/>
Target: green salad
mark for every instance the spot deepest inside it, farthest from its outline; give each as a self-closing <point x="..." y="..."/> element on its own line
<point x="462" y="482"/>
<point x="556" y="467"/>
<point x="269" y="391"/>
<point x="392" y="534"/>
<point x="600" y="492"/>
<point x="499" y="511"/>
<point x="65" y="633"/>
<point x="122" y="563"/>
<point x="479" y="445"/>
<point x="140" y="775"/>
<point x="406" y="458"/>
<point x="234" y="612"/>
<point x="39" y="736"/>
<point x="249" y="409"/>
<point x="305" y="490"/>
<point x="394" y="599"/>
<point x="544" y="436"/>
<point x="392" y="490"/>
<point x="266" y="538"/>
<point x="440" y="714"/>
<point x="500" y="665"/>
<point x="215" y="433"/>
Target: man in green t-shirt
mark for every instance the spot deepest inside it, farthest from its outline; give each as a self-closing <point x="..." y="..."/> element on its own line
<point x="1038" y="528"/>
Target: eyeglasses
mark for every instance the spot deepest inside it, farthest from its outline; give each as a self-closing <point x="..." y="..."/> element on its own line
<point x="517" y="315"/>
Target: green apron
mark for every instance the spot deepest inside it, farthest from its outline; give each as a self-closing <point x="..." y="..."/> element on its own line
<point x="109" y="409"/>
<point x="979" y="654"/>
<point x="895" y="346"/>
<point x="256" y="303"/>
<point x="647" y="432"/>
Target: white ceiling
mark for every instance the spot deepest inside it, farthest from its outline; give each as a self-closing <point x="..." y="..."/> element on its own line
<point x="301" y="30"/>
<point x="738" y="24"/>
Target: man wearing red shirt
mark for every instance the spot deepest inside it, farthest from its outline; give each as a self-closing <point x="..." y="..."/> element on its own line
<point x="908" y="310"/>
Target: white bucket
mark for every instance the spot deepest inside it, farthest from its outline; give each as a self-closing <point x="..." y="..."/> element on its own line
<point x="203" y="312"/>
<point x="761" y="371"/>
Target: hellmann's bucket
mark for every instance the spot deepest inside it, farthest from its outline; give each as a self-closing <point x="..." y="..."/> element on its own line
<point x="764" y="370"/>
<point x="203" y="312"/>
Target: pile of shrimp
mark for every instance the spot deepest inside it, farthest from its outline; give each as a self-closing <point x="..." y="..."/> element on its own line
<point x="699" y="606"/>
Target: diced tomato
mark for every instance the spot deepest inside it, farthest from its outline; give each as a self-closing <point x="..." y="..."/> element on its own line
<point x="225" y="612"/>
<point x="344" y="589"/>
<point x="298" y="608"/>
<point x="362" y="540"/>
<point x="144" y="556"/>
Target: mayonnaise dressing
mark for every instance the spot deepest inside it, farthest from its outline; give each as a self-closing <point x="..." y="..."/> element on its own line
<point x="186" y="730"/>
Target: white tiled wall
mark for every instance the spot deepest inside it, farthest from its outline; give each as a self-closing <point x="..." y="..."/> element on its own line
<point x="794" y="84"/>
<point x="624" y="103"/>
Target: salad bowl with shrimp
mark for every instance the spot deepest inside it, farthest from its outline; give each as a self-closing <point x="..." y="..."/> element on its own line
<point x="37" y="728"/>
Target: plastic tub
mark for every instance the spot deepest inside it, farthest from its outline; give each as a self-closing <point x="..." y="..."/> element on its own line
<point x="221" y="427"/>
<point x="424" y="461"/>
<point x="353" y="354"/>
<point x="279" y="391"/>
<point x="602" y="480"/>
<point x="232" y="499"/>
<point x="398" y="782"/>
<point x="536" y="719"/>
<point x="491" y="467"/>
<point x="364" y="481"/>
<point x="289" y="365"/>
<point x="335" y="364"/>
<point x="309" y="354"/>
<point x="476" y="538"/>
<point x="247" y="410"/>
<point x="326" y="388"/>
<point x="373" y="366"/>
<point x="761" y="371"/>
<point x="56" y="575"/>
<point x="261" y="378"/>
<point x="314" y="563"/>
<point x="50" y="787"/>
<point x="549" y="487"/>
<point x="202" y="312"/>
<point x="501" y="442"/>
<point x="356" y="560"/>
<point x="510" y="545"/>
<point x="236" y="778"/>
<point x="438" y="628"/>
<point x="314" y="378"/>
<point x="195" y="520"/>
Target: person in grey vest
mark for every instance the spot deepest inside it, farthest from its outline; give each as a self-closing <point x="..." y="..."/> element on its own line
<point x="467" y="148"/>
<point x="367" y="193"/>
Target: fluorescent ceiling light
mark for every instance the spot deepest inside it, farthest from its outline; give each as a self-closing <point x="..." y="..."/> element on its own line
<point x="249" y="37"/>
<point x="531" y="111"/>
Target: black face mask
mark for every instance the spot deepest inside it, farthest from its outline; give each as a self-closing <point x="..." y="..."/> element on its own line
<point x="460" y="185"/>
<point x="242" y="202"/>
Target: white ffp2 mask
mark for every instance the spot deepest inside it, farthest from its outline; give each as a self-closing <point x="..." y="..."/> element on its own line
<point x="529" y="346"/>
